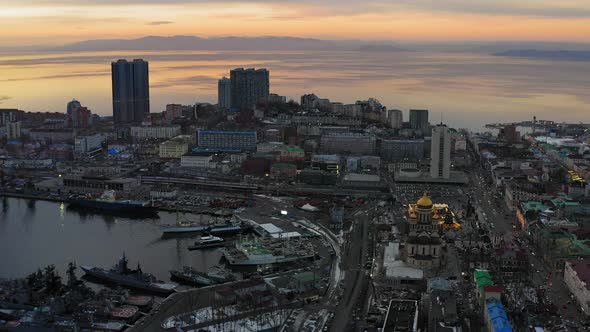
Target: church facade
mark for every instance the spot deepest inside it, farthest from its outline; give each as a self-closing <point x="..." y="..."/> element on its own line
<point x="424" y="246"/>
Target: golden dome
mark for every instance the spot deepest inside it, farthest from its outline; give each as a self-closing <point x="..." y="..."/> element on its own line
<point x="424" y="201"/>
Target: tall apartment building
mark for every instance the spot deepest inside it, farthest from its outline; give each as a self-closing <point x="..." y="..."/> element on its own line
<point x="227" y="140"/>
<point x="248" y="87"/>
<point x="173" y="111"/>
<point x="131" y="94"/>
<point x="71" y="107"/>
<point x="419" y="120"/>
<point x="81" y="117"/>
<point x="348" y="143"/>
<point x="395" y="118"/>
<point x="13" y="130"/>
<point x="224" y="93"/>
<point x="440" y="152"/>
<point x="8" y="115"/>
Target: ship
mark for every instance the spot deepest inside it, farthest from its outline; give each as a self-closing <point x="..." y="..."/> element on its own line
<point x="208" y="241"/>
<point x="214" y="275"/>
<point x="227" y="227"/>
<point x="108" y="202"/>
<point x="120" y="274"/>
<point x="256" y="252"/>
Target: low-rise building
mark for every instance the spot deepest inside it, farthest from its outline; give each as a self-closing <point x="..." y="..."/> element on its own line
<point x="495" y="317"/>
<point x="219" y="139"/>
<point x="88" y="145"/>
<point x="576" y="276"/>
<point x="198" y="160"/>
<point x="348" y="143"/>
<point x="175" y="147"/>
<point x="154" y="132"/>
<point x="283" y="171"/>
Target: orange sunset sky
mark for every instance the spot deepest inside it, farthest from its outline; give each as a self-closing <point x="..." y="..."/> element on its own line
<point x="40" y="22"/>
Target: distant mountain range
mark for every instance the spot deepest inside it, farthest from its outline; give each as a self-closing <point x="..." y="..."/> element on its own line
<point x="190" y="43"/>
<point x="548" y="54"/>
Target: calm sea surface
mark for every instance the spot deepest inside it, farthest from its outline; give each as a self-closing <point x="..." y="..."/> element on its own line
<point x="37" y="233"/>
<point x="464" y="90"/>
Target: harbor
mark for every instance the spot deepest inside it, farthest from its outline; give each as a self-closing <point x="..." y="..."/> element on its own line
<point x="50" y="233"/>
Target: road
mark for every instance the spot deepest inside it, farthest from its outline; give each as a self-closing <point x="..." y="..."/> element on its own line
<point x="355" y="279"/>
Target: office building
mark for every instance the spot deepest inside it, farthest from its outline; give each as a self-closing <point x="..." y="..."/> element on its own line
<point x="224" y="93"/>
<point x="131" y="95"/>
<point x="173" y="111"/>
<point x="348" y="143"/>
<point x="175" y="147"/>
<point x="419" y="120"/>
<point x="230" y="140"/>
<point x="396" y="150"/>
<point x="198" y="160"/>
<point x="154" y="132"/>
<point x="248" y="87"/>
<point x="88" y="145"/>
<point x="440" y="152"/>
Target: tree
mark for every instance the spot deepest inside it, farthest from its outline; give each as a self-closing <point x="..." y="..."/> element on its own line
<point x="72" y="279"/>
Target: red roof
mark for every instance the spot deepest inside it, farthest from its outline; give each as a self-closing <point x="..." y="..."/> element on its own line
<point x="492" y="289"/>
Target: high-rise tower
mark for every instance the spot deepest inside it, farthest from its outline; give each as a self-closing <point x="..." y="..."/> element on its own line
<point x="131" y="93"/>
<point x="248" y="87"/>
<point x="440" y="152"/>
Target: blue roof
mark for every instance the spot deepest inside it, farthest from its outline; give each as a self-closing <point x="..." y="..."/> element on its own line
<point x="226" y="132"/>
<point x="498" y="317"/>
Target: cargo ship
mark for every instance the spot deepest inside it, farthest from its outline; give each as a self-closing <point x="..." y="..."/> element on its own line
<point x="108" y="202"/>
<point x="120" y="274"/>
<point x="215" y="275"/>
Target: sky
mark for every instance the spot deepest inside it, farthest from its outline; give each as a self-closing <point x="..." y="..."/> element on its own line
<point x="56" y="22"/>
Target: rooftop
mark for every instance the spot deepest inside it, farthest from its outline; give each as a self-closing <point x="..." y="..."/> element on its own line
<point x="362" y="177"/>
<point x="498" y="317"/>
<point x="582" y="268"/>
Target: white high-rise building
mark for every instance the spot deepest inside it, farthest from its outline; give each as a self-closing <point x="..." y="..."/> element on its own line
<point x="440" y="152"/>
<point x="396" y="118"/>
<point x="224" y="93"/>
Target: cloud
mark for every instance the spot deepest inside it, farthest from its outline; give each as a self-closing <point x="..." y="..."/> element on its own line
<point x="159" y="22"/>
<point x="546" y="8"/>
<point x="4" y="98"/>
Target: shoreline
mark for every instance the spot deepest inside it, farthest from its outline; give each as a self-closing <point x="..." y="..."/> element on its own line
<point x="205" y="210"/>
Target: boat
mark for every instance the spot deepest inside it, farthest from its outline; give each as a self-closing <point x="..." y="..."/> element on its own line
<point x="214" y="275"/>
<point x="108" y="202"/>
<point x="208" y="241"/>
<point x="120" y="274"/>
<point x="183" y="226"/>
<point x="227" y="227"/>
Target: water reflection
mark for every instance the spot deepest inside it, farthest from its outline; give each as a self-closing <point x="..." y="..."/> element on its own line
<point x="31" y="238"/>
<point x="468" y="88"/>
